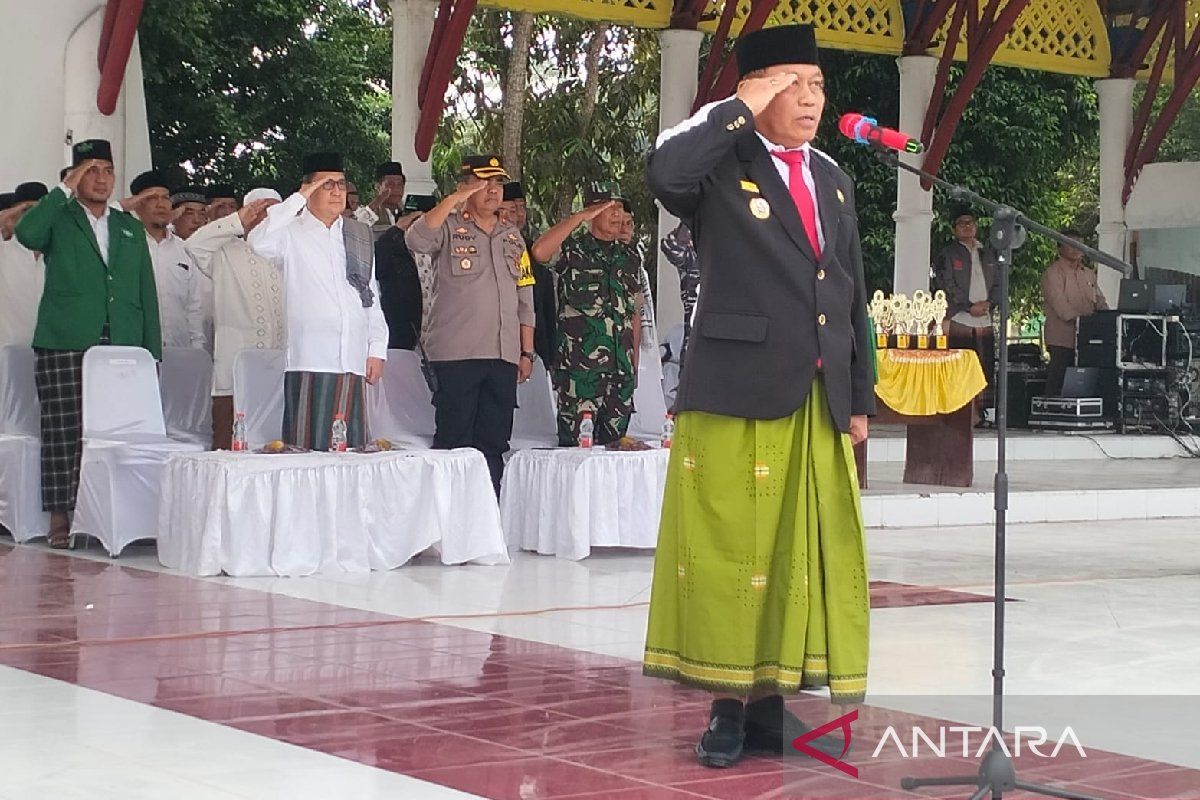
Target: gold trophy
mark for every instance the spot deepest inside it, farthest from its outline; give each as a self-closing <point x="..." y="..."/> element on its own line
<point x="922" y="311"/>
<point x="940" y="308"/>
<point x="880" y="315"/>
<point x="902" y="314"/>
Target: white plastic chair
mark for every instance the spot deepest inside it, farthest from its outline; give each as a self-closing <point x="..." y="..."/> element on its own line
<point x="125" y="445"/>
<point x="400" y="406"/>
<point x="535" y="422"/>
<point x="258" y="393"/>
<point x="20" y="446"/>
<point x="186" y="378"/>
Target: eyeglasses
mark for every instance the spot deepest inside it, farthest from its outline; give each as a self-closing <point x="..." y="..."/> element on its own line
<point x="331" y="184"/>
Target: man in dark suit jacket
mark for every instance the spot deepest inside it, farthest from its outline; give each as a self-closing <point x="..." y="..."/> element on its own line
<point x="99" y="290"/>
<point x="760" y="576"/>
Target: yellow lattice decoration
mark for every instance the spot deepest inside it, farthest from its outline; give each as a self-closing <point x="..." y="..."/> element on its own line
<point x="865" y="26"/>
<point x="1052" y="35"/>
<point x="651" y="14"/>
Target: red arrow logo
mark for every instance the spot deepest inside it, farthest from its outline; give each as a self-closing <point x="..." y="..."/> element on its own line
<point x="842" y="723"/>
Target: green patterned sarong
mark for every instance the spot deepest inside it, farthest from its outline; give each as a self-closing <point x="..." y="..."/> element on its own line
<point x="760" y="578"/>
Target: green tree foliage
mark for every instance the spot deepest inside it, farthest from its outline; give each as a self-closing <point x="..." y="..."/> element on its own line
<point x="1018" y="138"/>
<point x="561" y="151"/>
<point x="241" y="89"/>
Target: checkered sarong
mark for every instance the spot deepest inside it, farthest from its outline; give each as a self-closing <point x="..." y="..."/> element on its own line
<point x="310" y="401"/>
<point x="59" y="378"/>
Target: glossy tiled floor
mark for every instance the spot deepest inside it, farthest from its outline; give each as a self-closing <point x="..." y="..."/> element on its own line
<point x="122" y="680"/>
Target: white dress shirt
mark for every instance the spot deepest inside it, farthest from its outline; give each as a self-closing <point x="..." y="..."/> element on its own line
<point x="328" y="330"/>
<point x="180" y="305"/>
<point x="248" y="296"/>
<point x="22" y="277"/>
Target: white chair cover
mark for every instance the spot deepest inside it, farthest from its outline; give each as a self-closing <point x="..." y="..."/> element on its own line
<point x="535" y="422"/>
<point x="124" y="447"/>
<point x="187" y="394"/>
<point x="21" y="487"/>
<point x="258" y="392"/>
<point x="400" y="406"/>
<point x="649" y="406"/>
<point x="18" y="393"/>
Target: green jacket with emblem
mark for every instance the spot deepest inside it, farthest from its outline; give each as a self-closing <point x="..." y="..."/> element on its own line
<point x="82" y="292"/>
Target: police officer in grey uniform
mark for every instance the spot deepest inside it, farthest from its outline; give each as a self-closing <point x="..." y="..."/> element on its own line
<point x="480" y="336"/>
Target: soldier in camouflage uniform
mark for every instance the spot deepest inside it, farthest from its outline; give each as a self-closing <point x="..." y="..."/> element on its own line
<point x="677" y="247"/>
<point x="599" y="317"/>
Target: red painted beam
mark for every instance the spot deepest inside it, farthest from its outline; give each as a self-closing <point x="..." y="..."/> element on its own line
<point x="1146" y="106"/>
<point x="444" y="61"/>
<point x="110" y="18"/>
<point x="112" y="71"/>
<point x="929" y="19"/>
<point x="726" y="82"/>
<point x="435" y="43"/>
<point x="977" y="63"/>
<point x="938" y="97"/>
<point x="1154" y="26"/>
<point x="715" y="52"/>
<point x="1187" y="74"/>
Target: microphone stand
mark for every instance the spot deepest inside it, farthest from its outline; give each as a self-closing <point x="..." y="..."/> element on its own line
<point x="997" y="773"/>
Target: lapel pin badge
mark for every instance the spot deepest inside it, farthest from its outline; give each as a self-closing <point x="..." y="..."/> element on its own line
<point x="760" y="208"/>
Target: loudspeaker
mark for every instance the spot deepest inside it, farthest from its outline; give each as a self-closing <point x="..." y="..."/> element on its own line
<point x="1096" y="340"/>
<point x="1023" y="386"/>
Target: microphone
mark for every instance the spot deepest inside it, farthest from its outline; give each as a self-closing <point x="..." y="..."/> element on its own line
<point x="866" y="130"/>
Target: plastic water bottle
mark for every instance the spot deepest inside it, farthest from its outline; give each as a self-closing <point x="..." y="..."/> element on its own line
<point x="337" y="434"/>
<point x="239" y="431"/>
<point x="587" y="429"/>
<point x="668" y="432"/>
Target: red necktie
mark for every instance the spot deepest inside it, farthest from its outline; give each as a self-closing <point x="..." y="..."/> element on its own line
<point x="800" y="194"/>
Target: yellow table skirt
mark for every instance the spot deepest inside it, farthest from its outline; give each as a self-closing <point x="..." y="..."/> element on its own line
<point x="922" y="383"/>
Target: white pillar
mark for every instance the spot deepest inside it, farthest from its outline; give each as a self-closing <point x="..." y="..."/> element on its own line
<point x="1116" y="126"/>
<point x="679" y="77"/>
<point x="412" y="28"/>
<point x="914" y="205"/>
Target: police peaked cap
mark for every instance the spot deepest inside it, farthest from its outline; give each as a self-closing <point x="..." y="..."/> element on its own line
<point x="484" y="167"/>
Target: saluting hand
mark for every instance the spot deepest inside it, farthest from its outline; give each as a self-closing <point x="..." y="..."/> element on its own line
<point x="757" y="93"/>
<point x="467" y="190"/>
<point x="591" y="212"/>
<point x="253" y="212"/>
<point x="76" y="175"/>
<point x="405" y="222"/>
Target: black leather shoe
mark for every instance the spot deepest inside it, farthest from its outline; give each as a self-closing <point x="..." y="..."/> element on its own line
<point x="771" y="728"/>
<point x="721" y="745"/>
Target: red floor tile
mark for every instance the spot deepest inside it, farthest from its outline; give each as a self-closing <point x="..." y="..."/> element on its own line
<point x="542" y="778"/>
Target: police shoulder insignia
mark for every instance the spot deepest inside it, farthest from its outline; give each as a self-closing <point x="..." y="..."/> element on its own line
<point x="760" y="208"/>
<point x="526" y="278"/>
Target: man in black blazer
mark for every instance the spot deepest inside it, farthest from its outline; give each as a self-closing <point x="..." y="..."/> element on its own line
<point x="760" y="576"/>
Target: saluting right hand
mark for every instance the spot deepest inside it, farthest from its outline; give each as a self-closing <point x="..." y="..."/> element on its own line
<point x="253" y="212"/>
<point x="468" y="190"/>
<point x="591" y="212"/>
<point x="757" y="93"/>
<point x="76" y="175"/>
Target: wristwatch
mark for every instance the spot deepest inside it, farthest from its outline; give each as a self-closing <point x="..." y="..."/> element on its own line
<point x="530" y="356"/>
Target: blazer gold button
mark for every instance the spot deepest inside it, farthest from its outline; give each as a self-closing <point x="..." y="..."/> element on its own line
<point x="820" y="274"/>
<point x="821" y="319"/>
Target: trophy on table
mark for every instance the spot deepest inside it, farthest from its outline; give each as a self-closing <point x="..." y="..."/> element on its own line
<point x="905" y="323"/>
<point x="940" y="308"/>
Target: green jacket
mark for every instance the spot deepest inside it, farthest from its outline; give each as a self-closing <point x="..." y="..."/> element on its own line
<point x="82" y="292"/>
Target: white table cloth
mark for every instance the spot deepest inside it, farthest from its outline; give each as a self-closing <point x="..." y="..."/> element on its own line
<point x="252" y="514"/>
<point x="564" y="502"/>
